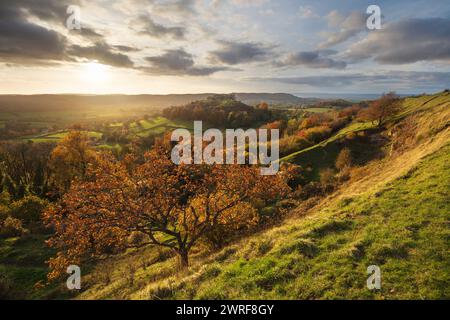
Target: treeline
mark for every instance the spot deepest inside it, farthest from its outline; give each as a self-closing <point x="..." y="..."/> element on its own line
<point x="221" y="111"/>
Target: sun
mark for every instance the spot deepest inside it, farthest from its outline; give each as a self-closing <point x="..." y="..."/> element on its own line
<point x="95" y="72"/>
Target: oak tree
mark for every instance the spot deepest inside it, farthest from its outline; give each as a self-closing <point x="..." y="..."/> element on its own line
<point x="169" y="205"/>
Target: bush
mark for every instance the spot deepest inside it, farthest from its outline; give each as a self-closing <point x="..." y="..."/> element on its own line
<point x="4" y="212"/>
<point x="344" y="159"/>
<point x="291" y="144"/>
<point x="327" y="179"/>
<point x="316" y="134"/>
<point x="11" y="227"/>
<point x="28" y="209"/>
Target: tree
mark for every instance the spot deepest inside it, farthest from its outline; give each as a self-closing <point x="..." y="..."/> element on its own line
<point x="70" y="159"/>
<point x="344" y="159"/>
<point x="24" y="168"/>
<point x="171" y="205"/>
<point x="381" y="109"/>
<point x="263" y="106"/>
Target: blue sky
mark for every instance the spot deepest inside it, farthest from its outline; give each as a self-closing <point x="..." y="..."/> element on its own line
<point x="192" y="46"/>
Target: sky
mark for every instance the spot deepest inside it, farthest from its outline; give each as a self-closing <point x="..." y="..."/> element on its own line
<point x="198" y="46"/>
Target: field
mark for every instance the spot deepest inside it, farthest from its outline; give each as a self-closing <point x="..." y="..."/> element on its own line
<point x="150" y="126"/>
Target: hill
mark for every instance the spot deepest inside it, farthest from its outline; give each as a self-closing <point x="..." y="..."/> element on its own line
<point x="61" y="102"/>
<point x="392" y="213"/>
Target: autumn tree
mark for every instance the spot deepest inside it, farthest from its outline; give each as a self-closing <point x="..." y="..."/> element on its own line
<point x="381" y="109"/>
<point x="70" y="159"/>
<point x="168" y="205"/>
<point x="263" y="106"/>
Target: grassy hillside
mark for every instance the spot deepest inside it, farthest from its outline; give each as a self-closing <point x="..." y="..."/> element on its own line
<point x="393" y="213"/>
<point x="324" y="154"/>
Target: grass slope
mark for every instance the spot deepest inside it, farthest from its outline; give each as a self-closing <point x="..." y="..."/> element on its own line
<point x="402" y="226"/>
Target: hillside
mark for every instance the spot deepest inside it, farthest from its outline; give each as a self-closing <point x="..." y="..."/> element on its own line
<point x="64" y="102"/>
<point x="393" y="213"/>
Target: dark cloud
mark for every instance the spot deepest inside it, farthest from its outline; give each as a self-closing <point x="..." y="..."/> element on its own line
<point x="46" y="10"/>
<point x="391" y="79"/>
<point x="146" y="25"/>
<point x="25" y="42"/>
<point x="89" y="34"/>
<point x="312" y="59"/>
<point x="126" y="48"/>
<point x="103" y="53"/>
<point x="406" y="41"/>
<point x="233" y="53"/>
<point x="178" y="62"/>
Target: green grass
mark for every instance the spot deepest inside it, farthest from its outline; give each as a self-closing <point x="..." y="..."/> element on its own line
<point x="55" y="137"/>
<point x="22" y="261"/>
<point x="157" y="126"/>
<point x="403" y="228"/>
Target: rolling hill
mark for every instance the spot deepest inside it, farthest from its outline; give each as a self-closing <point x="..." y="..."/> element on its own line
<point x="61" y="102"/>
<point x="392" y="213"/>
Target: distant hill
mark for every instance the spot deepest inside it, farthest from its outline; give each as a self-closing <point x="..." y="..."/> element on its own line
<point x="61" y="102"/>
<point x="273" y="98"/>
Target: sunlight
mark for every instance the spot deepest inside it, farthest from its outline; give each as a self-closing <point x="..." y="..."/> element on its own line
<point x="95" y="72"/>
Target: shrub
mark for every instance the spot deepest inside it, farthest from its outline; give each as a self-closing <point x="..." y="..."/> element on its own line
<point x="11" y="227"/>
<point x="328" y="180"/>
<point x="4" y="212"/>
<point x="316" y="134"/>
<point x="344" y="159"/>
<point x="28" y="209"/>
<point x="292" y="144"/>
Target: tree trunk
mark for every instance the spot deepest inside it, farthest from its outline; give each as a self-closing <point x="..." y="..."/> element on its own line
<point x="184" y="258"/>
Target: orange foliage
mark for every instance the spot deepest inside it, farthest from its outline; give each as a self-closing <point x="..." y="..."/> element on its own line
<point x="171" y="205"/>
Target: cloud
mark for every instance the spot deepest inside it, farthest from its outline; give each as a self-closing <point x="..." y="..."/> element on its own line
<point x="126" y="48"/>
<point x="249" y="3"/>
<point x="178" y="62"/>
<point x="24" y="42"/>
<point x="149" y="27"/>
<point x="233" y="53"/>
<point x="88" y="33"/>
<point x="46" y="10"/>
<point x="101" y="52"/>
<point x="307" y="12"/>
<point x="312" y="59"/>
<point x="390" y="79"/>
<point x="180" y="7"/>
<point x="28" y="43"/>
<point x="406" y="41"/>
<point x="349" y="27"/>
